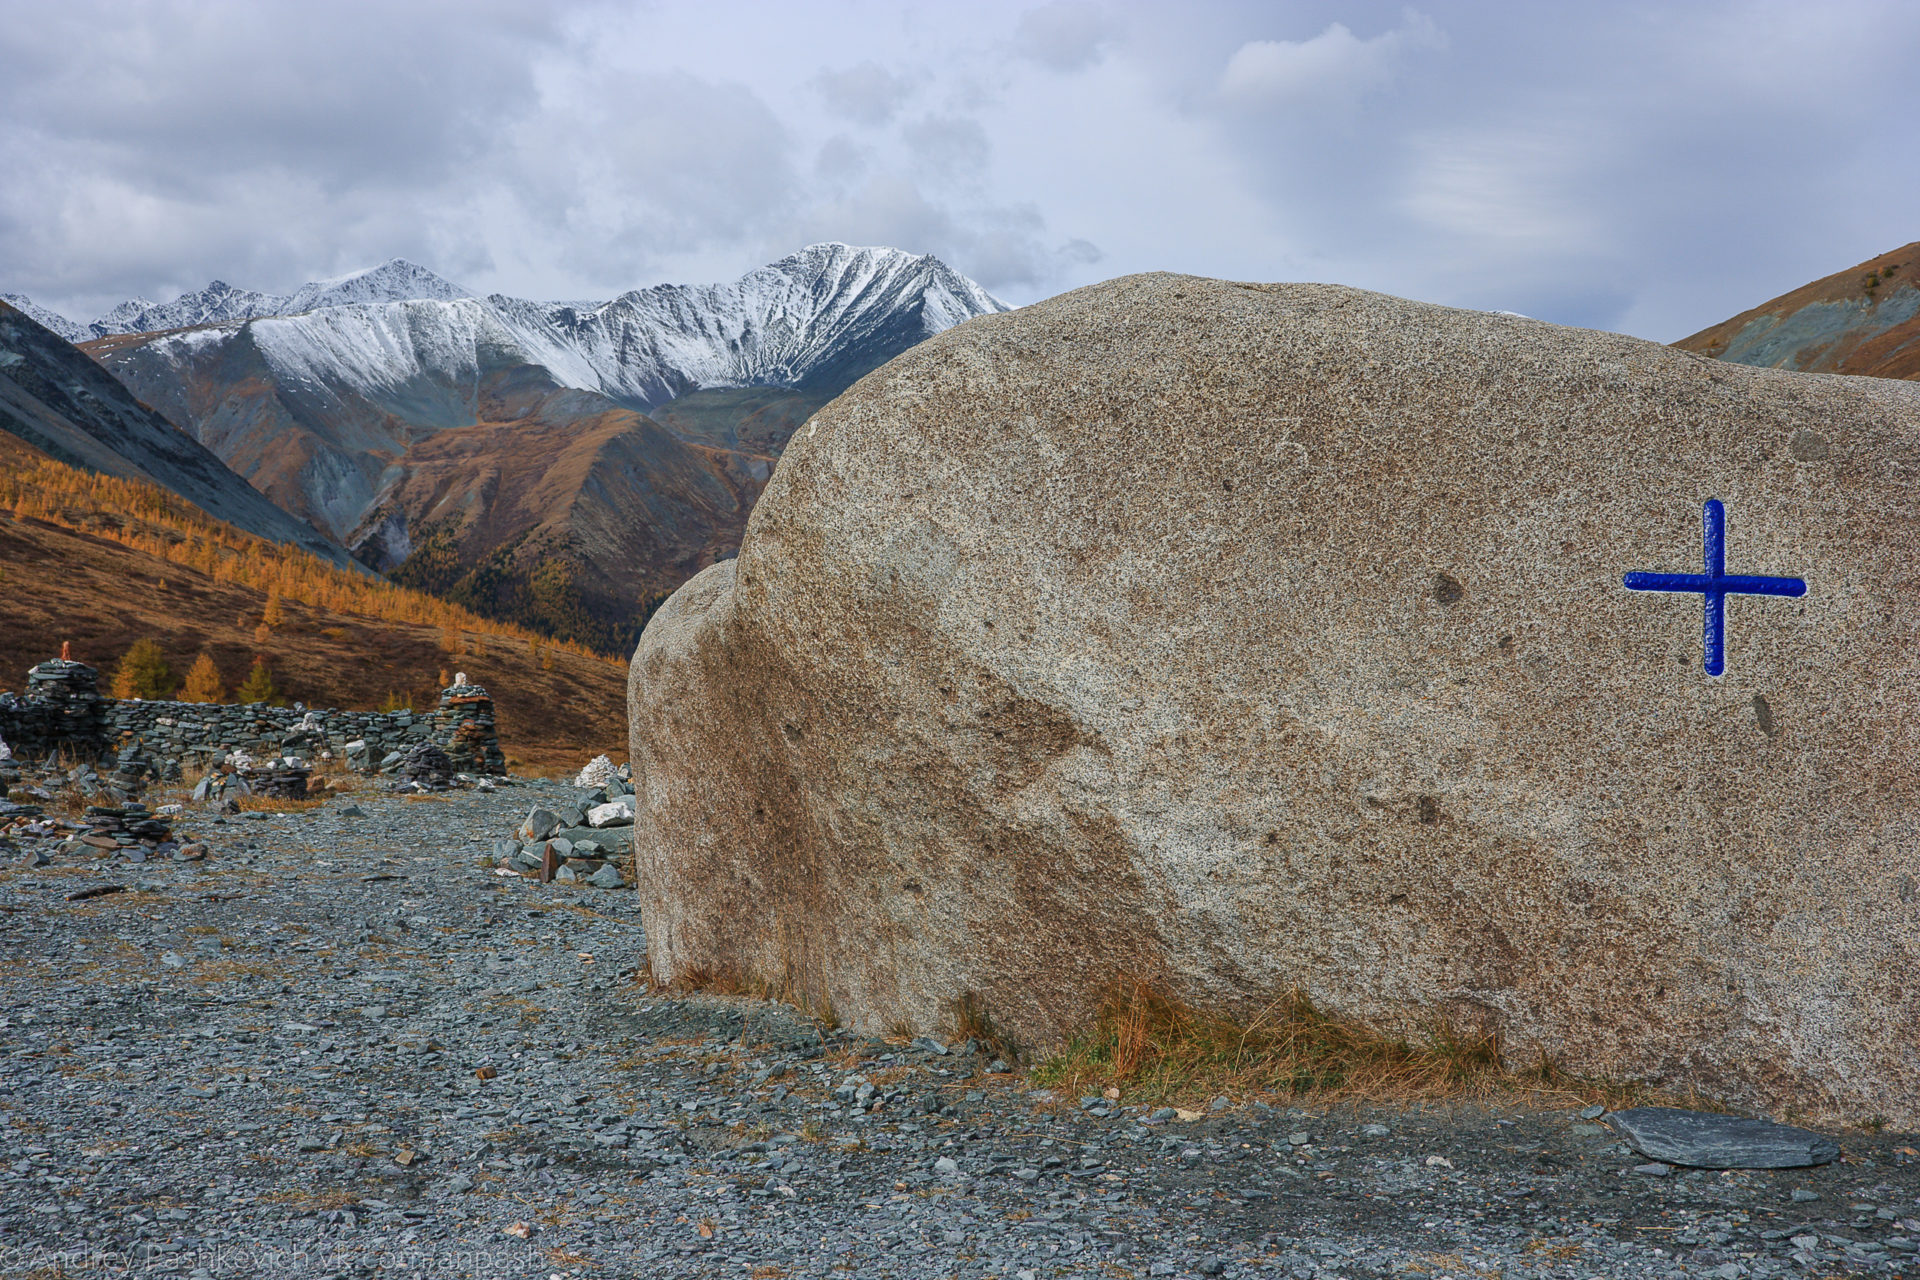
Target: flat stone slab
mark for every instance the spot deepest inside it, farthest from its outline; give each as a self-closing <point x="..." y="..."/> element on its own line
<point x="1704" y="1140"/>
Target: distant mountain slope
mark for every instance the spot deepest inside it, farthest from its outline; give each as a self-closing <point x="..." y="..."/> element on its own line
<point x="1864" y="320"/>
<point x="70" y="541"/>
<point x="336" y="413"/>
<point x="396" y="280"/>
<point x="51" y="320"/>
<point x="562" y="511"/>
<point x="58" y="400"/>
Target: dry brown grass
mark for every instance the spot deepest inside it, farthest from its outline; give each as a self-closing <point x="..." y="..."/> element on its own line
<point x="1152" y="1048"/>
<point x="731" y="982"/>
<point x="275" y="804"/>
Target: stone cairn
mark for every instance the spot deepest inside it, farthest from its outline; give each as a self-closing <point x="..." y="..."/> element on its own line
<point x="426" y="766"/>
<point x="129" y="830"/>
<point x="582" y="840"/>
<point x="63" y="709"/>
<point x="464" y="722"/>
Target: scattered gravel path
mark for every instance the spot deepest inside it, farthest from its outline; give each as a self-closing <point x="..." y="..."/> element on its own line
<point x="270" y="1064"/>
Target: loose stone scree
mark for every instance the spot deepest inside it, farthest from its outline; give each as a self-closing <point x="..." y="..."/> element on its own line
<point x="1715" y="585"/>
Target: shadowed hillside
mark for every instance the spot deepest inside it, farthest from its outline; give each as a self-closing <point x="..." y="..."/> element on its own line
<point x="102" y="563"/>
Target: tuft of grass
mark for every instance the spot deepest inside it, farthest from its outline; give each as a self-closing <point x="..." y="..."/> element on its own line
<point x="1154" y="1048"/>
<point x="275" y="804"/>
<point x="971" y="1021"/>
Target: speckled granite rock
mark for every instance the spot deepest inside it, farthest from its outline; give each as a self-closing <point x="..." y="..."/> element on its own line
<point x="1238" y="637"/>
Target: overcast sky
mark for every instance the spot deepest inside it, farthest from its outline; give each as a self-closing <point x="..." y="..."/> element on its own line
<point x="1648" y="168"/>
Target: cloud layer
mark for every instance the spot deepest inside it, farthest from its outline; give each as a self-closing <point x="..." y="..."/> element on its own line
<point x="1645" y="167"/>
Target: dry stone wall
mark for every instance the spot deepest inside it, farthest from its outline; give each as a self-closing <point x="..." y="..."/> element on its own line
<point x="63" y="712"/>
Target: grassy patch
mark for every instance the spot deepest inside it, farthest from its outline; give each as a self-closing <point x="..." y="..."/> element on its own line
<point x="276" y="804"/>
<point x="1152" y="1048"/>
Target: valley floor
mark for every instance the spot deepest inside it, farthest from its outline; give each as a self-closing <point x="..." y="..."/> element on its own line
<point x="270" y="1065"/>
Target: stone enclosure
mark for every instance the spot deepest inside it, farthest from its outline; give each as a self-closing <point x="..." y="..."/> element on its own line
<point x="63" y="712"/>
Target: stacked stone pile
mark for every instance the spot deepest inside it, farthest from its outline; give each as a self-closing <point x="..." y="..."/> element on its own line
<point x="278" y="777"/>
<point x="585" y="839"/>
<point x="463" y="722"/>
<point x="62" y="709"/>
<point x="282" y="778"/>
<point x="135" y="769"/>
<point x="130" y="830"/>
<point x="425" y="767"/>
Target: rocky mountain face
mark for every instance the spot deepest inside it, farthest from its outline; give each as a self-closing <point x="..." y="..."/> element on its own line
<point x="1864" y="320"/>
<point x="334" y="411"/>
<point x="62" y="403"/>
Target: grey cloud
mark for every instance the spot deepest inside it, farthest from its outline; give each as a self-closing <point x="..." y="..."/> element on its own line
<point x="840" y="159"/>
<point x="867" y="94"/>
<point x="948" y="147"/>
<point x="152" y="147"/>
<point x="1001" y="246"/>
<point x="1065" y="35"/>
<point x="1332" y="65"/>
<point x="626" y="170"/>
<point x="1640" y="165"/>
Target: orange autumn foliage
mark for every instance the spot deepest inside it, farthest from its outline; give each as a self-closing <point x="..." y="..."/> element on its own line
<point x="152" y="520"/>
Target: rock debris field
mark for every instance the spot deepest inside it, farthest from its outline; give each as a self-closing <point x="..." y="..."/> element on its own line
<point x="342" y="1045"/>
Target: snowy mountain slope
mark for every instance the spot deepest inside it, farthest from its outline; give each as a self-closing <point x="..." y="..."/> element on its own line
<point x="53" y="320"/>
<point x="396" y="280"/>
<point x="338" y="410"/>
<point x="62" y="403"/>
<point x="819" y="317"/>
<point x="826" y="314"/>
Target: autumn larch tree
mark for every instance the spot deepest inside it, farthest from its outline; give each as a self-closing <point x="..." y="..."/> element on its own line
<point x="203" y="681"/>
<point x="258" y="686"/>
<point x="143" y="672"/>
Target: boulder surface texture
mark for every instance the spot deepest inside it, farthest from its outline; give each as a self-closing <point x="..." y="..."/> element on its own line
<point x="1243" y="638"/>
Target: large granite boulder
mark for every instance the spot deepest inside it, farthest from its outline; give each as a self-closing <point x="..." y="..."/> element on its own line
<point x="1240" y="637"/>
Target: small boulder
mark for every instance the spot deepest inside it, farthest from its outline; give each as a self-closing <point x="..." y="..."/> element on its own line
<point x="614" y="813"/>
<point x="540" y="823"/>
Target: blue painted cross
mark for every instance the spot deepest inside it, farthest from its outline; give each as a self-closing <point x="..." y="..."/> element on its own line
<point x="1715" y="585"/>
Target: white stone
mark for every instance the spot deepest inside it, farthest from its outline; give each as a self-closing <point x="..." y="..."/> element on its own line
<point x="596" y="773"/>
<point x="614" y="813"/>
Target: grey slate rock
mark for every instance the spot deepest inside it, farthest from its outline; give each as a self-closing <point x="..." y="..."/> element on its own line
<point x="607" y="877"/>
<point x="539" y="825"/>
<point x="1703" y="1140"/>
<point x="612" y="840"/>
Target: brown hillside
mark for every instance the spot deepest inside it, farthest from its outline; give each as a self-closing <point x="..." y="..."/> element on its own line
<point x="557" y="705"/>
<point x="571" y="520"/>
<point x="1864" y="320"/>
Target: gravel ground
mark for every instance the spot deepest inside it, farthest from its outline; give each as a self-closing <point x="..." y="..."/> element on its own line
<point x="271" y="1064"/>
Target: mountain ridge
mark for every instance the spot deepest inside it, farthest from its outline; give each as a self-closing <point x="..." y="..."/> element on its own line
<point x="399" y="280"/>
<point x="1864" y="321"/>
<point x="53" y="397"/>
<point x="490" y="448"/>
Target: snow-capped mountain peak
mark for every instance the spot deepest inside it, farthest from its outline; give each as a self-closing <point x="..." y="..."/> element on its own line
<point x="816" y="319"/>
<point x="395" y="280"/>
